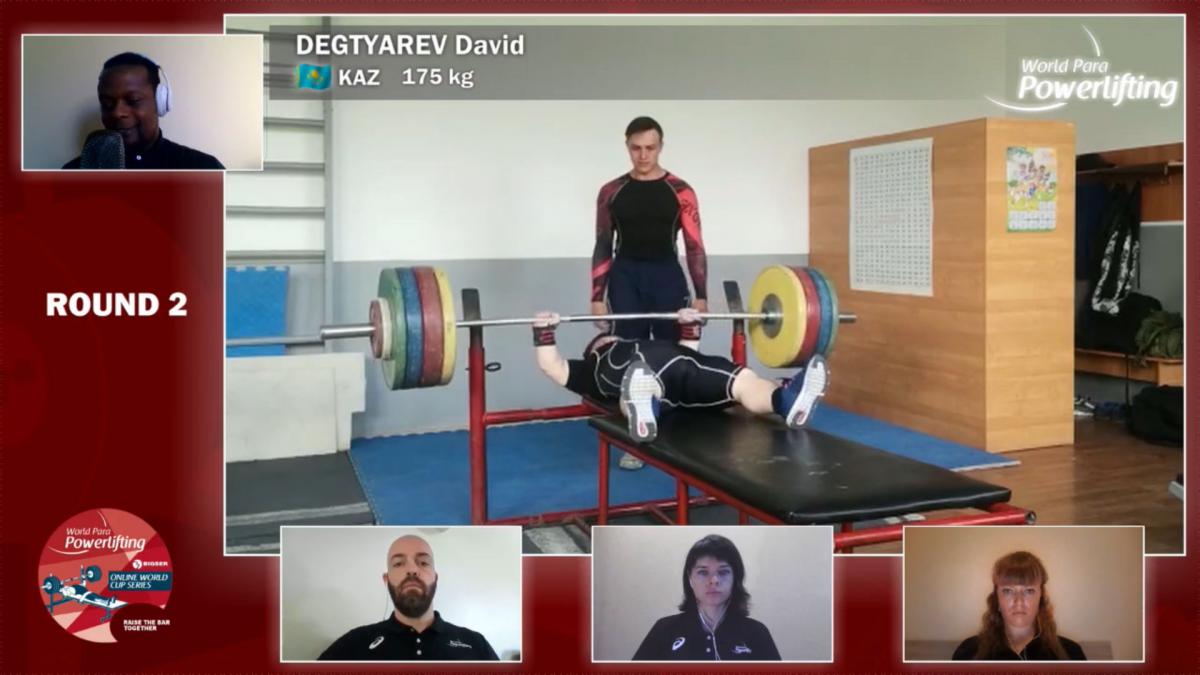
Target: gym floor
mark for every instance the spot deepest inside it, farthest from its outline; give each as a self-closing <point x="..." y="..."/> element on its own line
<point x="1108" y="477"/>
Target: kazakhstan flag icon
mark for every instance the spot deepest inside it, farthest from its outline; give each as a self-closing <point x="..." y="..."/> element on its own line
<point x="309" y="76"/>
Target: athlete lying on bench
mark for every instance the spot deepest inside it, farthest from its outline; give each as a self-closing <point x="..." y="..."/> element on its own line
<point x="649" y="375"/>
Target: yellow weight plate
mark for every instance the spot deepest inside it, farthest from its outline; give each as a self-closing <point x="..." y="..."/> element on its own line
<point x="778" y="345"/>
<point x="449" y="345"/>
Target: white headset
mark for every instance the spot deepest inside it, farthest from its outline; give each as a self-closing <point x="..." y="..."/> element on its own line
<point x="162" y="93"/>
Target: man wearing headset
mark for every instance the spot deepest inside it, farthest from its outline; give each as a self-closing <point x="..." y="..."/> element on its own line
<point x="134" y="94"/>
<point x="414" y="631"/>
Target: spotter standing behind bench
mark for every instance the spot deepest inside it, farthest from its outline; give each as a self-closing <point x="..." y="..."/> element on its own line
<point x="649" y="375"/>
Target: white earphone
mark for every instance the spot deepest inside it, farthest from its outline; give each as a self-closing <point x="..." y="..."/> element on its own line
<point x="162" y="93"/>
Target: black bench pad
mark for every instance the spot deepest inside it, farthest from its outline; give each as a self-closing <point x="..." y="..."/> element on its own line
<point x="801" y="476"/>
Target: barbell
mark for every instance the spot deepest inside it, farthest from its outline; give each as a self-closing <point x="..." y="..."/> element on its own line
<point x="412" y="324"/>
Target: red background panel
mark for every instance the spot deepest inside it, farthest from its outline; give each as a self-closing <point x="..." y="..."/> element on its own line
<point x="126" y="413"/>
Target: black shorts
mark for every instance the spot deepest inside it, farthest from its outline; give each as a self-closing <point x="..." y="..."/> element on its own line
<point x="690" y="379"/>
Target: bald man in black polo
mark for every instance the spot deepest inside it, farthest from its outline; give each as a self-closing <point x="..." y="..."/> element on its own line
<point x="414" y="631"/>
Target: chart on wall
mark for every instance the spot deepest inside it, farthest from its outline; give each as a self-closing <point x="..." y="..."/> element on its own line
<point x="891" y="218"/>
<point x="1032" y="179"/>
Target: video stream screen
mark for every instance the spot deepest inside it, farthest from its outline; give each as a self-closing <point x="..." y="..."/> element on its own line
<point x="341" y="338"/>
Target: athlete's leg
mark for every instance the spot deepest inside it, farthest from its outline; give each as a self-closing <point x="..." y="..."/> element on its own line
<point x="626" y="295"/>
<point x="754" y="391"/>
<point x="795" y="402"/>
<point x="668" y="289"/>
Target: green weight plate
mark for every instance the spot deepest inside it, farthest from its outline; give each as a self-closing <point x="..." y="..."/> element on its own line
<point x="390" y="289"/>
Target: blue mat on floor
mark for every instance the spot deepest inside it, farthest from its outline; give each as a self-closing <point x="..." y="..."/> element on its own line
<point x="904" y="442"/>
<point x="255" y="306"/>
<point x="423" y="479"/>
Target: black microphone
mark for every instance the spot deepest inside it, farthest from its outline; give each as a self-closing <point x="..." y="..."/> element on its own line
<point x="103" y="150"/>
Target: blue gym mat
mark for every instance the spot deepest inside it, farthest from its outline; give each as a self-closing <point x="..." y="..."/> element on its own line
<point x="423" y="479"/>
<point x="255" y="306"/>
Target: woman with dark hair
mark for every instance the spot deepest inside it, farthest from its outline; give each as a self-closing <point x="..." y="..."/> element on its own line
<point x="714" y="622"/>
<point x="1019" y="621"/>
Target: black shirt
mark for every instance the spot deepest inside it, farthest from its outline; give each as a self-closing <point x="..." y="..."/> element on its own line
<point x="683" y="637"/>
<point x="390" y="640"/>
<point x="1036" y="650"/>
<point x="164" y="154"/>
<point x="646" y="214"/>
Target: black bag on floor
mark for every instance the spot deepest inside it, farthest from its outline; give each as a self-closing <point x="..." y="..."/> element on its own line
<point x="1117" y="332"/>
<point x="1156" y="415"/>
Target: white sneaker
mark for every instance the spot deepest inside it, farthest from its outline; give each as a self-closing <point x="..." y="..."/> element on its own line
<point x="811" y="388"/>
<point x="640" y="391"/>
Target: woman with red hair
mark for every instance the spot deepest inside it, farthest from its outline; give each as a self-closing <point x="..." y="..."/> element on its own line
<point x="1019" y="621"/>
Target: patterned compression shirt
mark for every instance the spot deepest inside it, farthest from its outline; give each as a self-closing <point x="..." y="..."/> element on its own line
<point x="643" y="220"/>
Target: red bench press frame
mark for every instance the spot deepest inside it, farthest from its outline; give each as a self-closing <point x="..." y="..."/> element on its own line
<point x="479" y="419"/>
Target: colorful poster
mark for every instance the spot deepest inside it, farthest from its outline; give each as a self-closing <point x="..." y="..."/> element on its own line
<point x="1032" y="183"/>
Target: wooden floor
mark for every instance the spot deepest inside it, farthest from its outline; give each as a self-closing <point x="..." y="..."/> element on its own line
<point x="1108" y="477"/>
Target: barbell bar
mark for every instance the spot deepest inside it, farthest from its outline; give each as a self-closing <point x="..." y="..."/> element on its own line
<point x="366" y="330"/>
<point x="412" y="322"/>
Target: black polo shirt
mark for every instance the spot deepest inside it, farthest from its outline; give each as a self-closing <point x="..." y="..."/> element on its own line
<point x="164" y="154"/>
<point x="1037" y="650"/>
<point x="683" y="637"/>
<point x="390" y="640"/>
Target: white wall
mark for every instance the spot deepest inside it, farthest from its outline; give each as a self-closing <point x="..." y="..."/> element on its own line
<point x="518" y="179"/>
<point x="1095" y="582"/>
<point x="637" y="579"/>
<point x="330" y="582"/>
<point x="216" y="87"/>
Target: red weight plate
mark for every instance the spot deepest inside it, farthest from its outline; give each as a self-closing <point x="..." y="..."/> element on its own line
<point x="812" y="330"/>
<point x="432" y="327"/>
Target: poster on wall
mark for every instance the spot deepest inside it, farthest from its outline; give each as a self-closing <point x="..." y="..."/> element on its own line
<point x="891" y="218"/>
<point x="1032" y="180"/>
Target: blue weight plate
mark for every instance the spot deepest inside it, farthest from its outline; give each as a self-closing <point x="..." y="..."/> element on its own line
<point x="827" y="317"/>
<point x="414" y="318"/>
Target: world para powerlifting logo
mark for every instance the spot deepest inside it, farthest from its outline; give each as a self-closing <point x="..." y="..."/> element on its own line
<point x="105" y="575"/>
<point x="1051" y="83"/>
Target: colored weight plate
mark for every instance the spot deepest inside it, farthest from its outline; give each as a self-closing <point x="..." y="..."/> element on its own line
<point x="778" y="348"/>
<point x="391" y="290"/>
<point x="379" y="338"/>
<point x="414" y="318"/>
<point x="52" y="584"/>
<point x="833" y="312"/>
<point x="449" y="330"/>
<point x="828" y="329"/>
<point x="812" y="317"/>
<point x="826" y="305"/>
<point x="92" y="573"/>
<point x="431" y="316"/>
